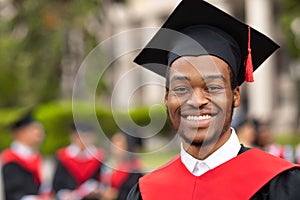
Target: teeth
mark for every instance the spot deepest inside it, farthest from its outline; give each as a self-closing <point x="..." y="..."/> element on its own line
<point x="202" y="117"/>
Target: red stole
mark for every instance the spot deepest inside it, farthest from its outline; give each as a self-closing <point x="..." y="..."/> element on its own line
<point x="80" y="169"/>
<point x="31" y="164"/>
<point x="238" y="178"/>
<point x="122" y="171"/>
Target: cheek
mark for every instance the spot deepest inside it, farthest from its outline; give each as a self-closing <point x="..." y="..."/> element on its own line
<point x="222" y="100"/>
<point x="173" y="106"/>
<point x="223" y="103"/>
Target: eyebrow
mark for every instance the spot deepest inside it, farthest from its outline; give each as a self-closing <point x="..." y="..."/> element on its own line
<point x="217" y="76"/>
<point x="180" y="78"/>
<point x="208" y="77"/>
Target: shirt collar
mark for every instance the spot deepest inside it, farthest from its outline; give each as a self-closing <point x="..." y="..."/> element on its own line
<point x="226" y="152"/>
<point x="22" y="150"/>
<point x="75" y="151"/>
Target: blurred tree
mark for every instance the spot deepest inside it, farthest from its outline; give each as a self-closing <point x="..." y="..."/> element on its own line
<point x="42" y="44"/>
<point x="290" y="20"/>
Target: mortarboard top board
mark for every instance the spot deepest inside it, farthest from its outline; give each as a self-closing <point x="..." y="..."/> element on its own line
<point x="192" y="13"/>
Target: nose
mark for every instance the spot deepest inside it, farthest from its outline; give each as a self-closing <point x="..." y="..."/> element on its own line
<point x="198" y="98"/>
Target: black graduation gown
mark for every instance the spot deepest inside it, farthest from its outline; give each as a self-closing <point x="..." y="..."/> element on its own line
<point x="63" y="179"/>
<point x="18" y="181"/>
<point x="283" y="186"/>
<point x="128" y="184"/>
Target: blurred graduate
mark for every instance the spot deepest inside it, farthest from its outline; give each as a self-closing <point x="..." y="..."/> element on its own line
<point x="125" y="170"/>
<point x="22" y="162"/>
<point x="78" y="168"/>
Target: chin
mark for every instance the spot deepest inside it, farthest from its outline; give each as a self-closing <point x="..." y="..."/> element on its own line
<point x="199" y="137"/>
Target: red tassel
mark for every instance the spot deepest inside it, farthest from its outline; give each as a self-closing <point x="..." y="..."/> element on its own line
<point x="248" y="62"/>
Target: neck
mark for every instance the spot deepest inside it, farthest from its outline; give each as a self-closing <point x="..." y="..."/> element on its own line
<point x="203" y="151"/>
<point x="27" y="145"/>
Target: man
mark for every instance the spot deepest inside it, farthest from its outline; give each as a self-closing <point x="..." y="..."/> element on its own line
<point x="265" y="141"/>
<point x="22" y="162"/>
<point x="246" y="131"/>
<point x="126" y="168"/>
<point x="78" y="167"/>
<point x="208" y="55"/>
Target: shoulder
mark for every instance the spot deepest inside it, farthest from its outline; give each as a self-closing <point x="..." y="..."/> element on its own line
<point x="289" y="176"/>
<point x="62" y="154"/>
<point x="6" y="151"/>
<point x="12" y="166"/>
<point x="283" y="186"/>
<point x="7" y="155"/>
<point x="264" y="158"/>
<point x="13" y="169"/>
<point x="263" y="162"/>
<point x="135" y="193"/>
<point x="165" y="172"/>
<point x="61" y="151"/>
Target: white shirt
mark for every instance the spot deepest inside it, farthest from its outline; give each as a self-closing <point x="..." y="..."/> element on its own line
<point x="226" y="152"/>
<point x="22" y="150"/>
<point x="74" y="151"/>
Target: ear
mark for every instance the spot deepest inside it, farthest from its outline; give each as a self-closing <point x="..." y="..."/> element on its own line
<point x="166" y="96"/>
<point x="236" y="97"/>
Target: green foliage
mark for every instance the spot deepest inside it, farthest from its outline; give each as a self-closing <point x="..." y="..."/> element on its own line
<point x="292" y="139"/>
<point x="31" y="45"/>
<point x="57" y="117"/>
<point x="291" y="11"/>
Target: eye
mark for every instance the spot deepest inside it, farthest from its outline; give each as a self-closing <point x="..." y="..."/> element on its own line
<point x="215" y="88"/>
<point x="181" y="90"/>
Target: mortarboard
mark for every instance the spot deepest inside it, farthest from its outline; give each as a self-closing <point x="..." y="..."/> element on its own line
<point x="23" y="121"/>
<point x="215" y="32"/>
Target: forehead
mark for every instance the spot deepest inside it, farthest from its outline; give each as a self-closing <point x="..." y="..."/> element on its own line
<point x="33" y="125"/>
<point x="203" y="66"/>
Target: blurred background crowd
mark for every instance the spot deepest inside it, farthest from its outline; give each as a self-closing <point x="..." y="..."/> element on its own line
<point x="79" y="170"/>
<point x="42" y="47"/>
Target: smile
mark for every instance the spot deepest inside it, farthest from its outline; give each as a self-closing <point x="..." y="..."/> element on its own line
<point x="197" y="118"/>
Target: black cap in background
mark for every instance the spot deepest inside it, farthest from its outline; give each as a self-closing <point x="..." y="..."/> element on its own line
<point x="24" y="120"/>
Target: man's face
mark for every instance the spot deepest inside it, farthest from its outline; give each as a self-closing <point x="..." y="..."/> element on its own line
<point x="200" y="100"/>
<point x="83" y="139"/>
<point x="32" y="134"/>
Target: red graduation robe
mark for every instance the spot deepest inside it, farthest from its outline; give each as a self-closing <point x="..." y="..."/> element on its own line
<point x="80" y="169"/>
<point x="31" y="164"/>
<point x="21" y="176"/>
<point x="175" y="182"/>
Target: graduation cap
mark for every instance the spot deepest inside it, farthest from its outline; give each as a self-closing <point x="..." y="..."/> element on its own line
<point x="23" y="121"/>
<point x="212" y="32"/>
